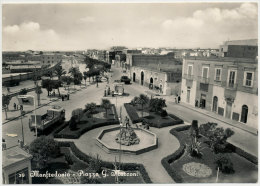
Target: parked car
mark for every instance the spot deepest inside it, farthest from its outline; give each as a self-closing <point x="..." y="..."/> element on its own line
<point x="125" y="79"/>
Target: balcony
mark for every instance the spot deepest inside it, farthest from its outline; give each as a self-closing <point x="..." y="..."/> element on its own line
<point x="188" y="76"/>
<point x="203" y="80"/>
<point x="230" y="90"/>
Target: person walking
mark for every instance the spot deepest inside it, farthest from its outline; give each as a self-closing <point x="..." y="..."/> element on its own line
<point x="179" y="99"/>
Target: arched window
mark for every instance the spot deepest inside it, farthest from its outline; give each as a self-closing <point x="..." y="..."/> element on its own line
<point x="244" y="113"/>
<point x="215" y="104"/>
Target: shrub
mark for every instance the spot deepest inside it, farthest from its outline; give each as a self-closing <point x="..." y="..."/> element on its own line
<point x="68" y="159"/>
<point x="124" y="166"/>
<point x="42" y="149"/>
<point x="163" y="113"/>
<point x="23" y="91"/>
<point x="73" y="123"/>
<point x="225" y="165"/>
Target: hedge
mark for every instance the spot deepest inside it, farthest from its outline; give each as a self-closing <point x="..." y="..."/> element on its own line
<point x="86" y="129"/>
<point x="125" y="166"/>
<point x="176" y="155"/>
<point x="131" y="111"/>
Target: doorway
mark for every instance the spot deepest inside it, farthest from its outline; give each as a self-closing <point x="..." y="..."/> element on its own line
<point x="202" y="101"/>
<point x="134" y="77"/>
<point x="142" y="78"/>
<point x="244" y="113"/>
<point x="215" y="104"/>
<point x="188" y="95"/>
<point x="228" y="109"/>
<point x="151" y="83"/>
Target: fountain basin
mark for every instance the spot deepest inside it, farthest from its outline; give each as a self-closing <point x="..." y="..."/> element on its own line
<point x="106" y="141"/>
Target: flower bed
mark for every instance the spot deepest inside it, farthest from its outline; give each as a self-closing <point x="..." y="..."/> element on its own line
<point x="175" y="168"/>
<point x="109" y="165"/>
<point x="154" y="120"/>
<point x="87" y="124"/>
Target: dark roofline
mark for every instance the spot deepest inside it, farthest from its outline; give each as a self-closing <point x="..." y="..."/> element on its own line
<point x="223" y="59"/>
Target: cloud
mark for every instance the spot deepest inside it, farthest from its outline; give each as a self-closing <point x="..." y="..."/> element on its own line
<point x="28" y="35"/>
<point x="212" y="26"/>
<point x="87" y="19"/>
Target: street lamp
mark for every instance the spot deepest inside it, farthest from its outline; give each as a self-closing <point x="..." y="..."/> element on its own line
<point x="120" y="123"/>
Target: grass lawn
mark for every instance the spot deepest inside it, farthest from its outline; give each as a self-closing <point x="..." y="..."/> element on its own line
<point x="87" y="123"/>
<point x="154" y="119"/>
<point x="60" y="165"/>
<point x="245" y="171"/>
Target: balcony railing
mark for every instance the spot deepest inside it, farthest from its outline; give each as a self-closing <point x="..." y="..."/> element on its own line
<point x="203" y="79"/>
<point x="188" y="76"/>
<point x="231" y="86"/>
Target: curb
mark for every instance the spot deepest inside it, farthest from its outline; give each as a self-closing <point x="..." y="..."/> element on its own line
<point x="254" y="133"/>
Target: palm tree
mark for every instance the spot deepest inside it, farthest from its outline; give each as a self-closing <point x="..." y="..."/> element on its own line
<point x="59" y="71"/>
<point x="142" y="100"/>
<point x="5" y="102"/>
<point x="85" y="76"/>
<point x="38" y="91"/>
<point x="106" y="104"/>
<point x="74" y="73"/>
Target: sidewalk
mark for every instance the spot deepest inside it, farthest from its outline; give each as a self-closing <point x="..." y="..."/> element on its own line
<point x="223" y="119"/>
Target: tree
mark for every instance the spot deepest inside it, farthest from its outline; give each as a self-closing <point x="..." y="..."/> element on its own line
<point x="5" y="103"/>
<point x="23" y="91"/>
<point x="134" y="101"/>
<point x="142" y="100"/>
<point x="50" y="74"/>
<point x="74" y="73"/>
<point x="59" y="71"/>
<point x="90" y="108"/>
<point x="48" y="84"/>
<point x="85" y="77"/>
<point x="217" y="136"/>
<point x="57" y="85"/>
<point x="42" y="149"/>
<point x="38" y="91"/>
<point x="106" y="104"/>
<point x="73" y="123"/>
<point x="157" y="104"/>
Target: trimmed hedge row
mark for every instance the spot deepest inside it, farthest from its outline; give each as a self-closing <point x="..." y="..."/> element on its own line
<point x="176" y="155"/>
<point x="125" y="166"/>
<point x="86" y="129"/>
<point x="82" y="131"/>
<point x="132" y="113"/>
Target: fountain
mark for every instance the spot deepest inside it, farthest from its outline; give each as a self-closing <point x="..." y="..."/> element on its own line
<point x="127" y="140"/>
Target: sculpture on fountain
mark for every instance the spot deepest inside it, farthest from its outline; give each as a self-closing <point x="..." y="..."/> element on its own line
<point x="127" y="135"/>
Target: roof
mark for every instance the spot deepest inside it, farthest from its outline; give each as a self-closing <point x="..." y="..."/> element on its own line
<point x="223" y="59"/>
<point x="14" y="155"/>
<point x="249" y="42"/>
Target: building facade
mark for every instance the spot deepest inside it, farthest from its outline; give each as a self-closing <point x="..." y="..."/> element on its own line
<point x="161" y="73"/>
<point x="49" y="59"/>
<point x="16" y="166"/>
<point x="226" y="86"/>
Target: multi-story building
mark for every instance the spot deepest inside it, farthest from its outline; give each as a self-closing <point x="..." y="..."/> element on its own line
<point x="240" y="48"/>
<point x="51" y="58"/>
<point x="224" y="85"/>
<point x="16" y="166"/>
<point x="161" y="73"/>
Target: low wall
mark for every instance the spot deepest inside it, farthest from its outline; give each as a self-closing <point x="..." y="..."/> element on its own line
<point x="109" y="149"/>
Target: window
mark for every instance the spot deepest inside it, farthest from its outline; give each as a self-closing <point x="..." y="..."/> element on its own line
<point x="248" y="79"/>
<point x="205" y="71"/>
<point x="20" y="177"/>
<point x="218" y="74"/>
<point x="190" y="70"/>
<point x="232" y="78"/>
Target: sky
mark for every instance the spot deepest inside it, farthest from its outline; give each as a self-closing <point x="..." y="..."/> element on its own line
<point x="100" y="26"/>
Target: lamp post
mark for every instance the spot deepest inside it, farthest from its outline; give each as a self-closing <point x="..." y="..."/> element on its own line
<point x="22" y="114"/>
<point x="120" y="123"/>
